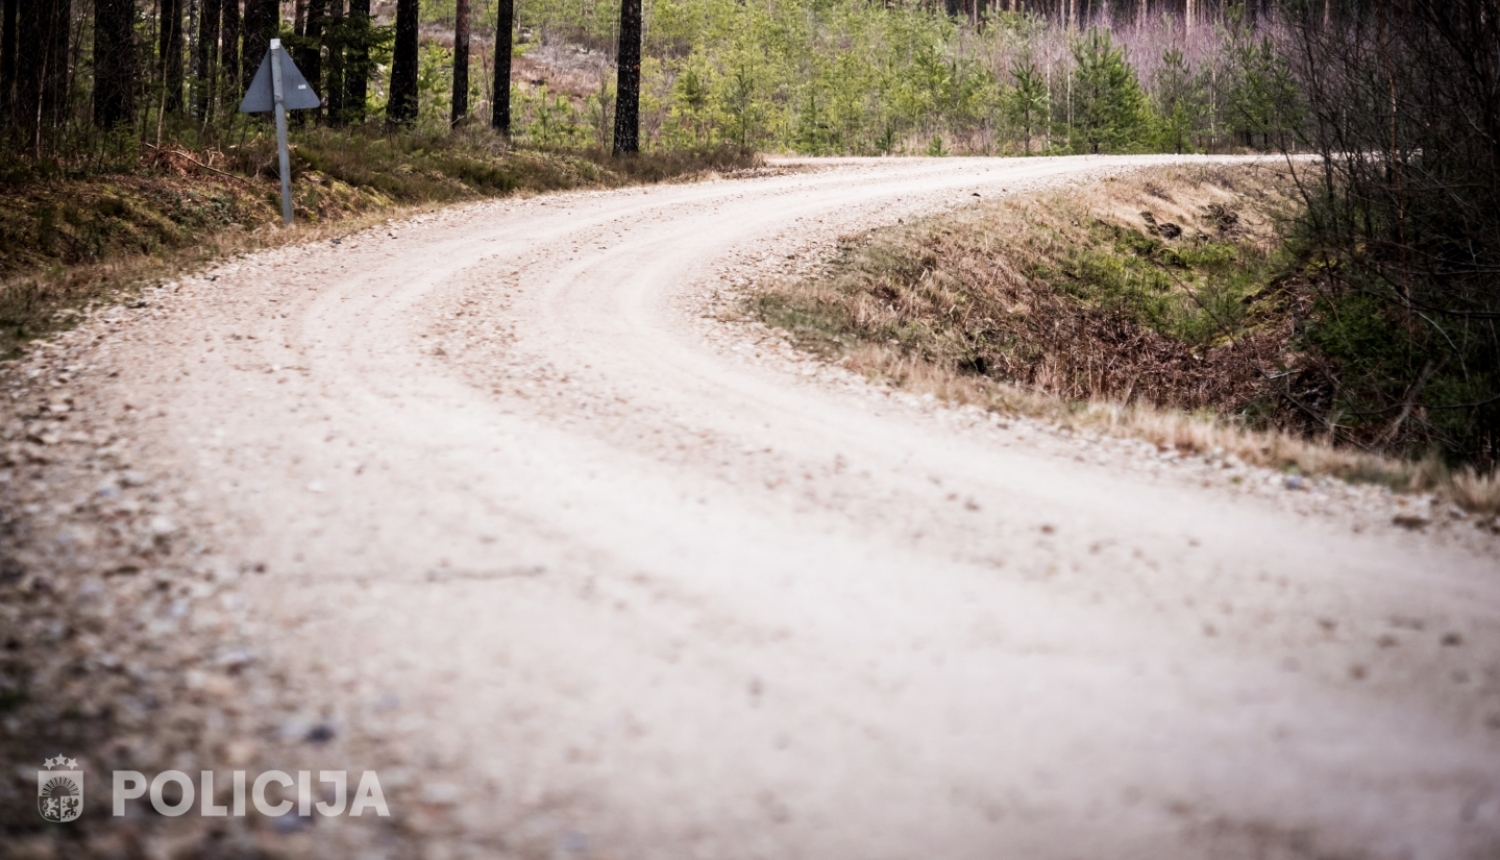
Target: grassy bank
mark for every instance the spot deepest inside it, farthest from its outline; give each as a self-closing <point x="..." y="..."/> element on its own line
<point x="71" y="234"/>
<point x="1160" y="305"/>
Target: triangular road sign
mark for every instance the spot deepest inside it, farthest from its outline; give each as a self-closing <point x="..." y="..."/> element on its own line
<point x="299" y="96"/>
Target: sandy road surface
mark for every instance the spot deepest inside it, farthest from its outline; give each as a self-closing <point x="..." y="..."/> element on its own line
<point x="584" y="581"/>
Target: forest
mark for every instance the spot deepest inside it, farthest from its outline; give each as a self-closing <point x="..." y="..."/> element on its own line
<point x="1396" y="253"/>
<point x="820" y="77"/>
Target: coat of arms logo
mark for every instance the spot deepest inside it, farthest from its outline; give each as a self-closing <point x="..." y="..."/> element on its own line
<point x="59" y="793"/>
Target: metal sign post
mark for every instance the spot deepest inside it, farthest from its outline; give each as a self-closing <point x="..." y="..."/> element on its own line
<point x="279" y="97"/>
<point x="279" y="86"/>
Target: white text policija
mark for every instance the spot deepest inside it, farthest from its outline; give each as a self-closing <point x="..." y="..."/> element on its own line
<point x="330" y="784"/>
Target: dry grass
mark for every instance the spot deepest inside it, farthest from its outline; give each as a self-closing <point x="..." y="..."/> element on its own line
<point x="1191" y="433"/>
<point x="1476" y="492"/>
<point x="997" y="307"/>
<point x="1069" y="293"/>
<point x="55" y="298"/>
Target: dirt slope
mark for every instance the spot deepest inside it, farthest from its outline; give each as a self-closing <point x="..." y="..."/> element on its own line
<point x="583" y="576"/>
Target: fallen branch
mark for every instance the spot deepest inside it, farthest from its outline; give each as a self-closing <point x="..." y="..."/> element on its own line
<point x="184" y="154"/>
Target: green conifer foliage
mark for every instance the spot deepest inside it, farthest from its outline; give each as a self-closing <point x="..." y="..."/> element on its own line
<point x="1028" y="102"/>
<point x="1262" y="103"/>
<point x="1110" y="113"/>
<point x="1182" y="103"/>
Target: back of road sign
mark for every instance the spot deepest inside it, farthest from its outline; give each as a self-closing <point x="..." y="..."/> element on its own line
<point x="299" y="96"/>
<point x="279" y="87"/>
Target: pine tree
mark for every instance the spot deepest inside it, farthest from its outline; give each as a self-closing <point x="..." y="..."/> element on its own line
<point x="628" y="102"/>
<point x="55" y="77"/>
<point x="504" y="26"/>
<point x="741" y="101"/>
<point x="359" y="37"/>
<point x="1028" y="101"/>
<point x="42" y="78"/>
<point x="262" y="22"/>
<point x="811" y="128"/>
<point x="692" y="98"/>
<point x="460" y="61"/>
<point x="114" y="61"/>
<point x="310" y="49"/>
<point x="402" y="109"/>
<point x="8" y="27"/>
<point x="1263" y="97"/>
<point x="336" y="39"/>
<point x="1181" y="102"/>
<point x="169" y="54"/>
<point x="230" y="29"/>
<point x="1109" y="110"/>
<point x="206" y="56"/>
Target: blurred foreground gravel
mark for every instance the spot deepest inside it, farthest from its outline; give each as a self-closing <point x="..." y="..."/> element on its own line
<point x="126" y="638"/>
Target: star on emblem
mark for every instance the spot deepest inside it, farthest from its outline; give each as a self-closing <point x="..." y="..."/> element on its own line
<point x="53" y="762"/>
<point x="72" y="763"/>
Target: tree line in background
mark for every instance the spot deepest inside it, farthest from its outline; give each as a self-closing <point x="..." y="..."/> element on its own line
<point x="812" y="76"/>
<point x="856" y="77"/>
<point x="71" y="70"/>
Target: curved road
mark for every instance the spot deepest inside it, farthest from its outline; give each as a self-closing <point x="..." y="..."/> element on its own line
<point x="581" y="579"/>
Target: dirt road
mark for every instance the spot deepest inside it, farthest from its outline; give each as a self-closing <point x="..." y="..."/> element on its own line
<point x="583" y="577"/>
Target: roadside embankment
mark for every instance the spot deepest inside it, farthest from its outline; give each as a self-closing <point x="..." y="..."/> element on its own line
<point x="75" y="234"/>
<point x="1161" y="304"/>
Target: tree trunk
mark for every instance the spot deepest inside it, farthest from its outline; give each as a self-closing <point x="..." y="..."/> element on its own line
<point x="206" y="56"/>
<point x="114" y="62"/>
<point x="628" y="89"/>
<point x="505" y="22"/>
<point x="337" y="39"/>
<point x="402" y="109"/>
<point x="42" y="79"/>
<point x="169" y="52"/>
<point x="55" y="78"/>
<point x="310" y="59"/>
<point x="28" y="80"/>
<point x="229" y="58"/>
<point x="357" y="61"/>
<point x="8" y="24"/>
<point x="262" y="21"/>
<point x="460" y="61"/>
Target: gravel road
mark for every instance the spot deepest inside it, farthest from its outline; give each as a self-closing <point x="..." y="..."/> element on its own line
<point x="586" y="569"/>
